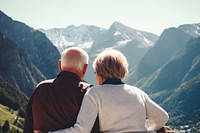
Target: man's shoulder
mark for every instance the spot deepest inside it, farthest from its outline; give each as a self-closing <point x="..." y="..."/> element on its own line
<point x="45" y="82"/>
<point x="43" y="86"/>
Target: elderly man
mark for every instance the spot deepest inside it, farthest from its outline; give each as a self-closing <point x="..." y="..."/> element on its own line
<point x="55" y="103"/>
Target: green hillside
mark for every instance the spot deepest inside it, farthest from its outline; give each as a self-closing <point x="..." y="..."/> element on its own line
<point x="12" y="106"/>
<point x="12" y="97"/>
<point x="12" y="116"/>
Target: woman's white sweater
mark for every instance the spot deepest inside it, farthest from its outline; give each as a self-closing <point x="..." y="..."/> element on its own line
<point x="120" y="108"/>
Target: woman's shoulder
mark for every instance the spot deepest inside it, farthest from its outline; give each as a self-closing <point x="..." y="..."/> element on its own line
<point x="134" y="89"/>
<point x="94" y="88"/>
<point x="98" y="90"/>
<point x="127" y="86"/>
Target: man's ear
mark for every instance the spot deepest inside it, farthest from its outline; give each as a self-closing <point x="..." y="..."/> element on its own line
<point x="85" y="68"/>
<point x="59" y="66"/>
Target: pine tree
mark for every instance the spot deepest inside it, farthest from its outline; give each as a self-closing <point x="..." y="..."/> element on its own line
<point x="6" y="127"/>
<point x="17" y="131"/>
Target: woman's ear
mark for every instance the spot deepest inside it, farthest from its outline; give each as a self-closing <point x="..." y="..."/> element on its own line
<point x="59" y="66"/>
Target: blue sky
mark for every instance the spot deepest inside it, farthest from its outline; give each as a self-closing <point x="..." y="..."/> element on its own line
<point x="147" y="15"/>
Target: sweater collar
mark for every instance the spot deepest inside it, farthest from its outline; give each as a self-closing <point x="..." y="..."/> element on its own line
<point x="66" y="74"/>
<point x="114" y="81"/>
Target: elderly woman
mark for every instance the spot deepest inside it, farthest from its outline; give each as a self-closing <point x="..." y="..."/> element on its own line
<point x="121" y="108"/>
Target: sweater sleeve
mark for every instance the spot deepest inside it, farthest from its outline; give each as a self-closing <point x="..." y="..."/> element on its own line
<point x="157" y="117"/>
<point x="86" y="117"/>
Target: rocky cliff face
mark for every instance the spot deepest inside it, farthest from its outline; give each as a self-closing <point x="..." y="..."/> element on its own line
<point x="42" y="53"/>
<point x="16" y="68"/>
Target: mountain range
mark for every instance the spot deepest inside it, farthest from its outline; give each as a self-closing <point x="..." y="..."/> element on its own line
<point x="133" y="43"/>
<point x="167" y="67"/>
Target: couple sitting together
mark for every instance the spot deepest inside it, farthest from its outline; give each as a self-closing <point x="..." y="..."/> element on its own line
<point x="66" y="104"/>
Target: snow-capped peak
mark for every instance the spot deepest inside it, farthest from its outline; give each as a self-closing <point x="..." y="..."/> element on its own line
<point x="81" y="36"/>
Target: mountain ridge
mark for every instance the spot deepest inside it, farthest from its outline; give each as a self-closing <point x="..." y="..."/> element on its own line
<point x="82" y="36"/>
<point x="171" y="40"/>
<point x="33" y="43"/>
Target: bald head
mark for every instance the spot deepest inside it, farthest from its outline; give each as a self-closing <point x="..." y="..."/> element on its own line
<point x="73" y="59"/>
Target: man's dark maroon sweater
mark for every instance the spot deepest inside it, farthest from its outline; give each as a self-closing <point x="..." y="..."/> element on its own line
<point x="55" y="104"/>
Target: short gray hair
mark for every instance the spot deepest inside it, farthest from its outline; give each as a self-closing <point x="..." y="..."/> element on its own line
<point x="111" y="64"/>
<point x="74" y="57"/>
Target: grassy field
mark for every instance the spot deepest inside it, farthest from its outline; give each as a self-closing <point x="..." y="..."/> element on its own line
<point x="10" y="115"/>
